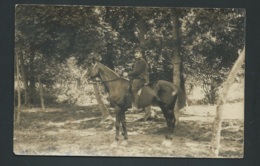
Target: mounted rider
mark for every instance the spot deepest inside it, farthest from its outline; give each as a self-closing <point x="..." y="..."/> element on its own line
<point x="139" y="75"/>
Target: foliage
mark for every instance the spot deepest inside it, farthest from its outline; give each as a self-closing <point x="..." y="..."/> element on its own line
<point x="211" y="40"/>
<point x="52" y="39"/>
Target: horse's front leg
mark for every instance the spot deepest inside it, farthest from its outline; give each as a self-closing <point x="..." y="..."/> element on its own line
<point x="117" y="125"/>
<point x="123" y="122"/>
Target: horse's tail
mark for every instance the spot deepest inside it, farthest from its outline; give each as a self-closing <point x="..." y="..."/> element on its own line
<point x="181" y="98"/>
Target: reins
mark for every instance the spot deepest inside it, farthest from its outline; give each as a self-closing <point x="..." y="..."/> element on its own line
<point x="101" y="81"/>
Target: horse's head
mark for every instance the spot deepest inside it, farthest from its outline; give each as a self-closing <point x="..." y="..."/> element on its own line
<point x="91" y="72"/>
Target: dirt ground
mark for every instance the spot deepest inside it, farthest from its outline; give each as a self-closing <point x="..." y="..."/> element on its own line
<point x="80" y="131"/>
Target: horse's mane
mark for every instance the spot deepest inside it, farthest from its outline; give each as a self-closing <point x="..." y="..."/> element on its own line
<point x="112" y="71"/>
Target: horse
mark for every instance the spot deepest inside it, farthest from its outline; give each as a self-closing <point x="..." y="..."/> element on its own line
<point x="162" y="93"/>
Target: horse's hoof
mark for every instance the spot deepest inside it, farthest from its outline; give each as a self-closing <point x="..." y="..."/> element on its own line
<point x="124" y="142"/>
<point x="167" y="142"/>
<point x="114" y="144"/>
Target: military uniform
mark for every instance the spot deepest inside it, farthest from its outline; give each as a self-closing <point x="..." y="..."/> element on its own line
<point x="139" y="76"/>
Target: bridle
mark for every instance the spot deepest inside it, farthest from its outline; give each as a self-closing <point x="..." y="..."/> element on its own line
<point x="94" y="81"/>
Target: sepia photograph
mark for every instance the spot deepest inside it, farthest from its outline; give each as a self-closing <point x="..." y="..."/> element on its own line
<point x="129" y="81"/>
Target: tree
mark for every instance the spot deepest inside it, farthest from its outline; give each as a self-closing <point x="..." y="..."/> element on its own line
<point x="25" y="80"/>
<point x="215" y="141"/>
<point x="204" y="41"/>
<point x="177" y="59"/>
<point x="41" y="93"/>
<point x="18" y="115"/>
<point x="51" y="33"/>
<point x="210" y="40"/>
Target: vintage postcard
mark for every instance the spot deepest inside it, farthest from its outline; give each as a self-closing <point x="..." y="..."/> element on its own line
<point x="129" y="81"/>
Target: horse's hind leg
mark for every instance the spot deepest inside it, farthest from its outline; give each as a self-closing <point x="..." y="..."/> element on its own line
<point x="170" y="129"/>
<point x="171" y="122"/>
<point x="168" y="136"/>
<point x="169" y="117"/>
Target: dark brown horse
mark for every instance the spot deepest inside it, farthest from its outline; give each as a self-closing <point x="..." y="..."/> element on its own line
<point x="161" y="92"/>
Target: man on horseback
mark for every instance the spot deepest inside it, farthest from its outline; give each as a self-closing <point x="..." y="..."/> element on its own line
<point x="160" y="92"/>
<point x="139" y="75"/>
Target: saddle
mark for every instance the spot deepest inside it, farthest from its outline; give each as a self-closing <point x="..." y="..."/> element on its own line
<point x="131" y="82"/>
<point x="154" y="90"/>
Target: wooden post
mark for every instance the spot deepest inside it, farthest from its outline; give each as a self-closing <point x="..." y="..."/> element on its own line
<point x="18" y="90"/>
<point x="217" y="126"/>
<point x="41" y="93"/>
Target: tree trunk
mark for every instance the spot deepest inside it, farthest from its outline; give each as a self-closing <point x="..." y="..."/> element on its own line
<point x="141" y="35"/>
<point x="32" y="87"/>
<point x="101" y="105"/>
<point x="41" y="93"/>
<point x="25" y="80"/>
<point x="176" y="60"/>
<point x="215" y="142"/>
<point x="18" y="91"/>
<point x="108" y="59"/>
